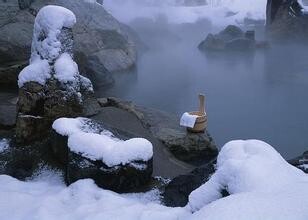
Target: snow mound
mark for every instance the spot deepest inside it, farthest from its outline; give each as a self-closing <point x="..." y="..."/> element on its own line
<point x="49" y="21"/>
<point x="86" y="139"/>
<point x="66" y="69"/>
<point x="262" y="186"/>
<point x="261" y="183"/>
<point x="82" y="200"/>
<point x="38" y="71"/>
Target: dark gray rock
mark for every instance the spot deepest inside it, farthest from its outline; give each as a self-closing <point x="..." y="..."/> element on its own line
<point x="22" y="162"/>
<point x="8" y="110"/>
<point x="286" y="21"/>
<point x="176" y="193"/>
<point x="9" y="73"/>
<point x="120" y="178"/>
<point x="7" y="116"/>
<point x="301" y="162"/>
<point x="231" y="32"/>
<point x="31" y="128"/>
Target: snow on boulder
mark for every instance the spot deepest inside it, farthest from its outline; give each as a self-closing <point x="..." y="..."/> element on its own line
<point x="261" y="184"/>
<point x="104" y="145"/>
<point x="66" y="69"/>
<point x="38" y="71"/>
<point x="91" y="150"/>
<point x="48" y="25"/>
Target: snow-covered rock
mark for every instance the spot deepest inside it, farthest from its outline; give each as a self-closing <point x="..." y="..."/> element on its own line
<point x="83" y="139"/>
<point x="261" y="184"/>
<point x="48" y="27"/>
<point x="38" y="71"/>
<point x="51" y="86"/>
<point x="90" y="150"/>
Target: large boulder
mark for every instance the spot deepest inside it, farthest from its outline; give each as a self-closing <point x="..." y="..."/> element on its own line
<point x="287" y="20"/>
<point x="89" y="150"/>
<point x="102" y="44"/>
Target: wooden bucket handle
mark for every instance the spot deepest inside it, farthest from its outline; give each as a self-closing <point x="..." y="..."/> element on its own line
<point x="202" y="104"/>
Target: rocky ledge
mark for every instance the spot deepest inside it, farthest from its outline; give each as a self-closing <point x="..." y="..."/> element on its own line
<point x="193" y="148"/>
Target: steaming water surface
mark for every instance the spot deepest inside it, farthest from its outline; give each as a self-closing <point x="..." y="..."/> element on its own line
<point x="261" y="95"/>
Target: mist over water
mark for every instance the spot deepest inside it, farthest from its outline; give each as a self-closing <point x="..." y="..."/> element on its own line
<point x="259" y="95"/>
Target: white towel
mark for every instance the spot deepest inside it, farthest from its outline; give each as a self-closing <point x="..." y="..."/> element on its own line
<point x="188" y="120"/>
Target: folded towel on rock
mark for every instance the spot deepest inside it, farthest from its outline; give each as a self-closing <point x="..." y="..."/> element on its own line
<point x="188" y="120"/>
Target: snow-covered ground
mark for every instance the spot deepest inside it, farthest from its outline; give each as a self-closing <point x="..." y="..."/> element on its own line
<point x="261" y="183"/>
<point x="219" y="12"/>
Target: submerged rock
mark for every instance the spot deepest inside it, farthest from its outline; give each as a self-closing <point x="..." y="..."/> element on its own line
<point x="287" y="20"/>
<point x="90" y="150"/>
<point x="102" y="44"/>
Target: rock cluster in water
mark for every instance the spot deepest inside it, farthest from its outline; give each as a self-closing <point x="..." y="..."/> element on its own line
<point x="232" y="38"/>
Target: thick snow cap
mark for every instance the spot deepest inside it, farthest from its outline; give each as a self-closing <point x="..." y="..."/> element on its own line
<point x="85" y="139"/>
